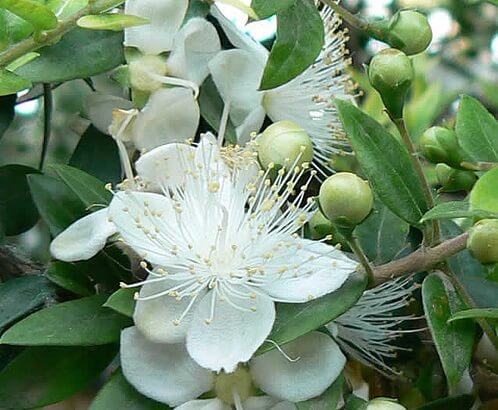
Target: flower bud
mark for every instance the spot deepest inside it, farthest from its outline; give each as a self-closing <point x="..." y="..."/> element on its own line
<point x="391" y="74"/>
<point x="440" y="144"/>
<point x="319" y="226"/>
<point x="142" y="71"/>
<point x="454" y="180"/>
<point x="345" y="199"/>
<point x="483" y="240"/>
<point x="409" y="31"/>
<point x="284" y="144"/>
<point x="383" y="403"/>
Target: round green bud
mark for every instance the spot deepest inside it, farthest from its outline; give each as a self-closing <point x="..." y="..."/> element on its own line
<point x="483" y="240"/>
<point x="142" y="71"/>
<point x="226" y="383"/>
<point x="440" y="144"/>
<point x="409" y="31"/>
<point x="391" y="74"/>
<point x="284" y="144"/>
<point x="454" y="180"/>
<point x="383" y="403"/>
<point x="345" y="199"/>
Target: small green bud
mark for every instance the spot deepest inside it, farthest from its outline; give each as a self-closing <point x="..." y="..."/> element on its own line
<point x="409" y="31"/>
<point x="391" y="74"/>
<point x="440" y="144"/>
<point x="284" y="144"/>
<point x="384" y="403"/>
<point x="483" y="240"/>
<point x="454" y="180"/>
<point x="345" y="199"/>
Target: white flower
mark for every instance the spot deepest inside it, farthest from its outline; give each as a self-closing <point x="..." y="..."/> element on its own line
<point x="369" y="329"/>
<point x="382" y="403"/>
<point x="166" y="373"/>
<point x="222" y="246"/>
<point x="305" y="100"/>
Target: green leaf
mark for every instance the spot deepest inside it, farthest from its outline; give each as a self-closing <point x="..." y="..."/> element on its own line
<point x="297" y="319"/>
<point x="111" y="21"/>
<point x="462" y="402"/>
<point x="355" y="403"/>
<point x="11" y="83"/>
<point x="17" y="211"/>
<point x="44" y="375"/>
<point x="23" y="295"/>
<point x="484" y="194"/>
<point x="455" y="209"/>
<point x="267" y="8"/>
<point x="40" y="16"/>
<point x="453" y="341"/>
<point x="82" y="322"/>
<point x="476" y="130"/>
<point x="7" y="112"/>
<point x="117" y="393"/>
<point x="65" y="8"/>
<point x="300" y="37"/>
<point x="90" y="190"/>
<point x="490" y="313"/>
<point x="25" y="59"/>
<point x="386" y="164"/>
<point x="122" y="301"/>
<point x="68" y="277"/>
<point x="80" y="54"/>
<point x="328" y="400"/>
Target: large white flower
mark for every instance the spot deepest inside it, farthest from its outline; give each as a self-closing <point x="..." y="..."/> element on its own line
<point x="305" y="100"/>
<point x="222" y="246"/>
<point x="166" y="373"/>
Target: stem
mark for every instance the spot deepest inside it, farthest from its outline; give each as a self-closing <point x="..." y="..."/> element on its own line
<point x="358" y="251"/>
<point x="47" y="121"/>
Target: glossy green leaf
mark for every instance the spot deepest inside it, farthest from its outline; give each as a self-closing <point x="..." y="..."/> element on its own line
<point x="328" y="400"/>
<point x="11" y="83"/>
<point x="122" y="301"/>
<point x="7" y="112"/>
<point x="18" y="213"/>
<point x="300" y="37"/>
<point x="65" y="8"/>
<point x="117" y="393"/>
<point x="80" y="54"/>
<point x="111" y="21"/>
<point x="68" y="277"/>
<point x="297" y="319"/>
<point x="44" y="375"/>
<point x="20" y="296"/>
<point x="490" y="313"/>
<point x="476" y="130"/>
<point x="81" y="322"/>
<point x="386" y="164"/>
<point x="454" y="341"/>
<point x="37" y="14"/>
<point x="462" y="402"/>
<point x="456" y="209"/>
<point x="267" y="8"/>
<point x="484" y="194"/>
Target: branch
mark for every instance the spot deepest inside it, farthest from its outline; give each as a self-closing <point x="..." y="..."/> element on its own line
<point x="11" y="266"/>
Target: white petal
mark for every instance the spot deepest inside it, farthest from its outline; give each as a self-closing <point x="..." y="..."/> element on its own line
<point x="100" y="107"/>
<point x="326" y="272"/>
<point x="284" y="405"/>
<point x="84" y="238"/>
<point x="165" y="16"/>
<point x="154" y="317"/>
<point x="163" y="372"/>
<point x="127" y="211"/>
<point x="210" y="404"/>
<point x="252" y="123"/>
<point x="195" y="45"/>
<point x="170" y="115"/>
<point x="260" y="403"/>
<point x="320" y="362"/>
<point x="233" y="335"/>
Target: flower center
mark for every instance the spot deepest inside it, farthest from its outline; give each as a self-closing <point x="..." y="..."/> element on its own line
<point x="229" y="386"/>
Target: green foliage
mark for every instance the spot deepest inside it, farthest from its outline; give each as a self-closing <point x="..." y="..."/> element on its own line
<point x="484" y="195"/>
<point x="456" y="209"/>
<point x="111" y="21"/>
<point x="11" y="83"/>
<point x="7" y="111"/>
<point x="267" y="8"/>
<point x="461" y="402"/>
<point x="122" y="301"/>
<point x="68" y="277"/>
<point x="491" y="313"/>
<point x="40" y="16"/>
<point x="328" y="400"/>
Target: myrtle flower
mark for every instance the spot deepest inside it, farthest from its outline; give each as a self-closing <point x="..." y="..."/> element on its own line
<point x="369" y="330"/>
<point x="305" y="100"/>
<point x="166" y="373"/>
<point x="221" y="247"/>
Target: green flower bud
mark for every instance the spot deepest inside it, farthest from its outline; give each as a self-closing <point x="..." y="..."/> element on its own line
<point x="383" y="403"/>
<point x="345" y="199"/>
<point x="391" y="74"/>
<point x="409" y="31"/>
<point x="284" y="144"/>
<point x="440" y="144"/>
<point x="142" y="70"/>
<point x="483" y="240"/>
<point x="454" y="180"/>
<point x="226" y="383"/>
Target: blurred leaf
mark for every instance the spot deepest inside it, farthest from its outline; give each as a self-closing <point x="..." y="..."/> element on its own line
<point x="117" y="393"/>
<point x="17" y="211"/>
<point x="111" y="21"/>
<point x="355" y="403"/>
<point x="40" y="16"/>
<point x="297" y="319"/>
<point x="456" y="209"/>
<point x="122" y="301"/>
<point x="25" y="59"/>
<point x="328" y="400"/>
<point x="386" y="164"/>
<point x="463" y="402"/>
<point x="454" y="341"/>
<point x="65" y="8"/>
<point x="476" y="130"/>
<point x="484" y="194"/>
<point x="44" y="375"/>
<point x="7" y="112"/>
<point x="68" y="277"/>
<point x="267" y="8"/>
<point x="489" y="89"/>
<point x="300" y="37"/>
<point x="81" y="322"/>
<point x="80" y="54"/>
<point x="196" y="8"/>
<point x="490" y="313"/>
<point x="23" y="295"/>
<point x="11" y="83"/>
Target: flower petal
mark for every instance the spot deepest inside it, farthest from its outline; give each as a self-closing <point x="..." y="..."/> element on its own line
<point x="284" y="405"/>
<point x="321" y="269"/>
<point x="195" y="45"/>
<point x="154" y="317"/>
<point x="233" y="335"/>
<point x="100" y="107"/>
<point x="170" y="115"/>
<point x="165" y="16"/>
<point x="163" y="372"/>
<point x="260" y="403"/>
<point x="320" y="362"/>
<point x="210" y="404"/>
<point x="84" y="238"/>
<point x="252" y="123"/>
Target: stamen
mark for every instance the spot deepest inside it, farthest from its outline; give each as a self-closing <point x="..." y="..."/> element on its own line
<point x="290" y="359"/>
<point x="175" y="81"/>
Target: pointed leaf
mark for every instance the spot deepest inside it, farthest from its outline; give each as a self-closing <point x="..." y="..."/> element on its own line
<point x="456" y="209"/>
<point x="68" y="277"/>
<point x="122" y="301"/>
<point x="490" y="313"/>
<point x="267" y="8"/>
<point x="484" y="194"/>
<point x="11" y="83"/>
<point x="111" y="21"/>
<point x="40" y="16"/>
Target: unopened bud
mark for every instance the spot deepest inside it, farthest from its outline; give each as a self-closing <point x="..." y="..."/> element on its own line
<point x="284" y="144"/>
<point x="454" y="180"/>
<point x="142" y="71"/>
<point x="391" y="74"/>
<point x="383" y="403"/>
<point x="483" y="240"/>
<point x="345" y="199"/>
<point x="409" y="31"/>
<point x="440" y="144"/>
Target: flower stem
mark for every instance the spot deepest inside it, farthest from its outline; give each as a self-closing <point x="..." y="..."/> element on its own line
<point x="358" y="251"/>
